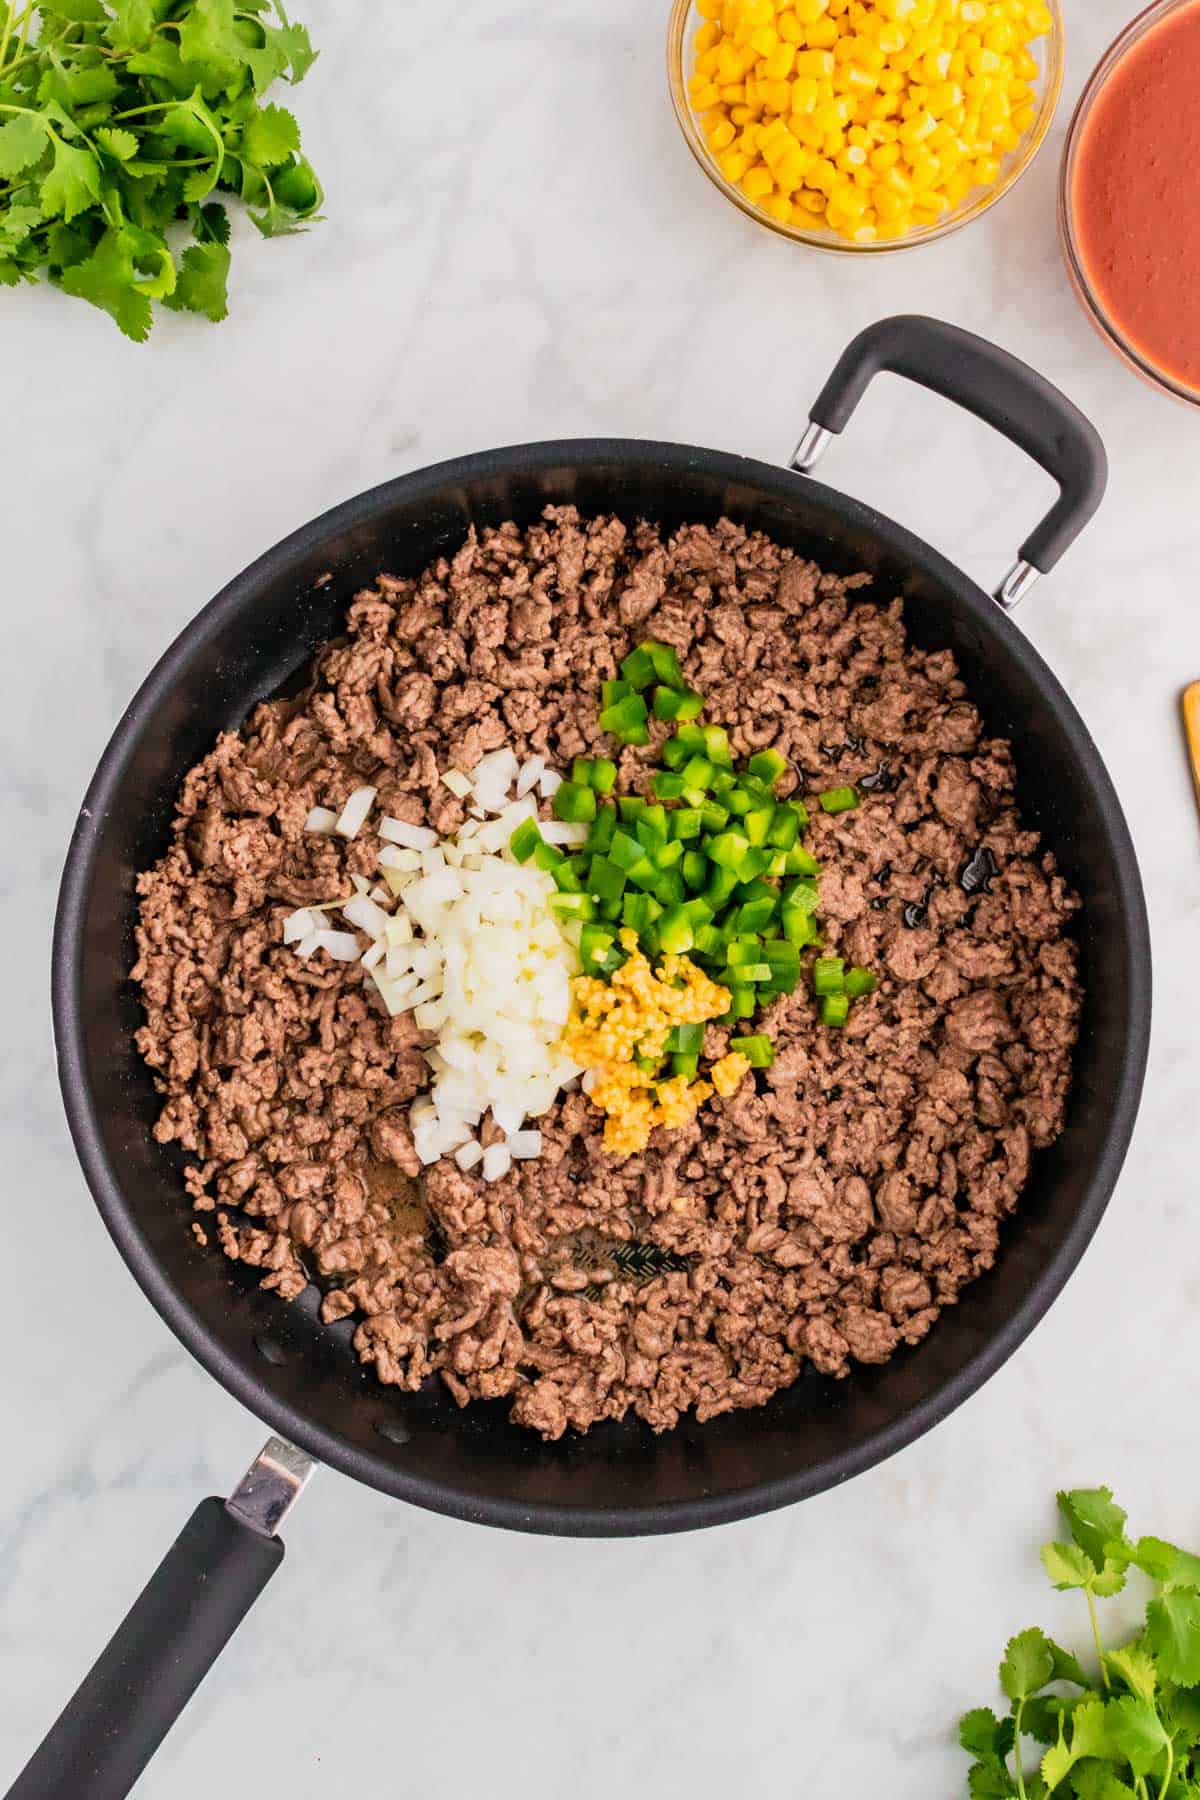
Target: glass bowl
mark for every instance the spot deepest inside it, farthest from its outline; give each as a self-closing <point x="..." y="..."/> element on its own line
<point x="1049" y="52"/>
<point x="1086" y="294"/>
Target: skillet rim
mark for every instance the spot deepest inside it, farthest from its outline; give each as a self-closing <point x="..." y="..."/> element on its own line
<point x="104" y="1182"/>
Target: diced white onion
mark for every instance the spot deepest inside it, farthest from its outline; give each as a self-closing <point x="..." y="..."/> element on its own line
<point x="375" y="954"/>
<point x="409" y="837"/>
<point x="363" y="912"/>
<point x="341" y="945"/>
<point x="468" y="1154"/>
<point x="392" y="857"/>
<point x="298" y="925"/>
<point x="557" y="831"/>
<point x="525" y="1144"/>
<point x="308" y="944"/>
<point x="529" y="774"/>
<point x="549" y="783"/>
<point x="321" y="821"/>
<point x="457" y="782"/>
<point x="497" y="1161"/>
<point x="353" y="815"/>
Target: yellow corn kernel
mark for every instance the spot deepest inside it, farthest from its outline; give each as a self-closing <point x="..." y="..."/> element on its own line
<point x="776" y="95"/>
<point x="764" y="40"/>
<point x="986" y="171"/>
<point x="779" y="207"/>
<point x="884" y="157"/>
<point x="757" y="12"/>
<point x="789" y="28"/>
<point x="821" y="35"/>
<point x="757" y="182"/>
<point x="915" y="129"/>
<point x="814" y="62"/>
<point x="740" y="115"/>
<point x="822" y="175"/>
<point x="709" y="9"/>
<point x="733" y="165"/>
<point x="852" y="159"/>
<point x="1024" y="117"/>
<point x="806" y="91"/>
<point x="890" y="39"/>
<point x="809" y="11"/>
<point x="779" y="63"/>
<point x="721" y="136"/>
<point x="705" y="97"/>
<point x="958" y="187"/>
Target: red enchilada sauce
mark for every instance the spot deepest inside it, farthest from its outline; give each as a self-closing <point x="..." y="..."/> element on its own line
<point x="1136" y="196"/>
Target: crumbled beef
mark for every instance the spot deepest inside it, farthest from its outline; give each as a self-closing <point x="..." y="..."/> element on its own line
<point x="825" y="1213"/>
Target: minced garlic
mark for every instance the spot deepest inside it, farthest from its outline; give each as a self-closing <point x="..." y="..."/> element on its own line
<point x="629" y="1016"/>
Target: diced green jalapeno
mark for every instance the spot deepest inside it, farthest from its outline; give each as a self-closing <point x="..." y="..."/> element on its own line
<point x="838" y="800"/>
<point x="829" y="975"/>
<point x="768" y="766"/>
<point x="525" y="840"/>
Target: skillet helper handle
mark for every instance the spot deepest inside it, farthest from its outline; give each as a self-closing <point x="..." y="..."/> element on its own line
<point x="173" y="1634"/>
<point x="1002" y="391"/>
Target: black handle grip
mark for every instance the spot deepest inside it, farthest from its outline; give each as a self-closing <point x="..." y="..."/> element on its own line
<point x="998" y="389"/>
<point x="176" y="1629"/>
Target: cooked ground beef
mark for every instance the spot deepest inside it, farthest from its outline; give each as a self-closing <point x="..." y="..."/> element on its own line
<point x="829" y="1209"/>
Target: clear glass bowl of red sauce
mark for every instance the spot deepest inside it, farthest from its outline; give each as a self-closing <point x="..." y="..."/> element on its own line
<point x="1129" y="197"/>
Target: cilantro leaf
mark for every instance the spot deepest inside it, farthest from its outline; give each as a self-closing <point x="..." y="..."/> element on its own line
<point x="108" y="279"/>
<point x="296" y="45"/>
<point x="990" y="1781"/>
<point x="1042" y="1717"/>
<point x="16" y="223"/>
<point x="121" y="145"/>
<point x="1068" y="1566"/>
<point x="1135" y="1667"/>
<point x="74" y="12"/>
<point x="73" y="183"/>
<point x="23" y="142"/>
<point x="202" y="283"/>
<point x="1028" y="1664"/>
<point x="1088" y="1737"/>
<point x="1136" y="1730"/>
<point x="135" y="22"/>
<point x="272" y="137"/>
<point x="1094" y="1520"/>
<point x="1066" y="1666"/>
<point x="1095" y="1781"/>
<point x="983" y="1734"/>
<point x="1173" y="1633"/>
<point x="212" y="223"/>
<point x="1166" y="1564"/>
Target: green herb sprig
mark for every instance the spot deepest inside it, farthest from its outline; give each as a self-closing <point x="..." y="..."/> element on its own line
<point x="1131" y="1731"/>
<point x="120" y="123"/>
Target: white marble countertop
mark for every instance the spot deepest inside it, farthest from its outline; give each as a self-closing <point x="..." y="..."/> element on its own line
<point x="519" y="246"/>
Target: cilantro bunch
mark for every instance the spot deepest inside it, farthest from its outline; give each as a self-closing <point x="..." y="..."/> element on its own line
<point x="120" y="121"/>
<point x="1133" y="1731"/>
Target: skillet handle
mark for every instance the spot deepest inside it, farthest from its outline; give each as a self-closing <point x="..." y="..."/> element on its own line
<point x="173" y="1634"/>
<point x="1002" y="391"/>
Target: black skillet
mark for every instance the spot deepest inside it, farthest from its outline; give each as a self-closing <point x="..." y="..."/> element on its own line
<point x="302" y="1379"/>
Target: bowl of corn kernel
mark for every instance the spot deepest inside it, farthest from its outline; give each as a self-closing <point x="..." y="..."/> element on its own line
<point x="865" y="125"/>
